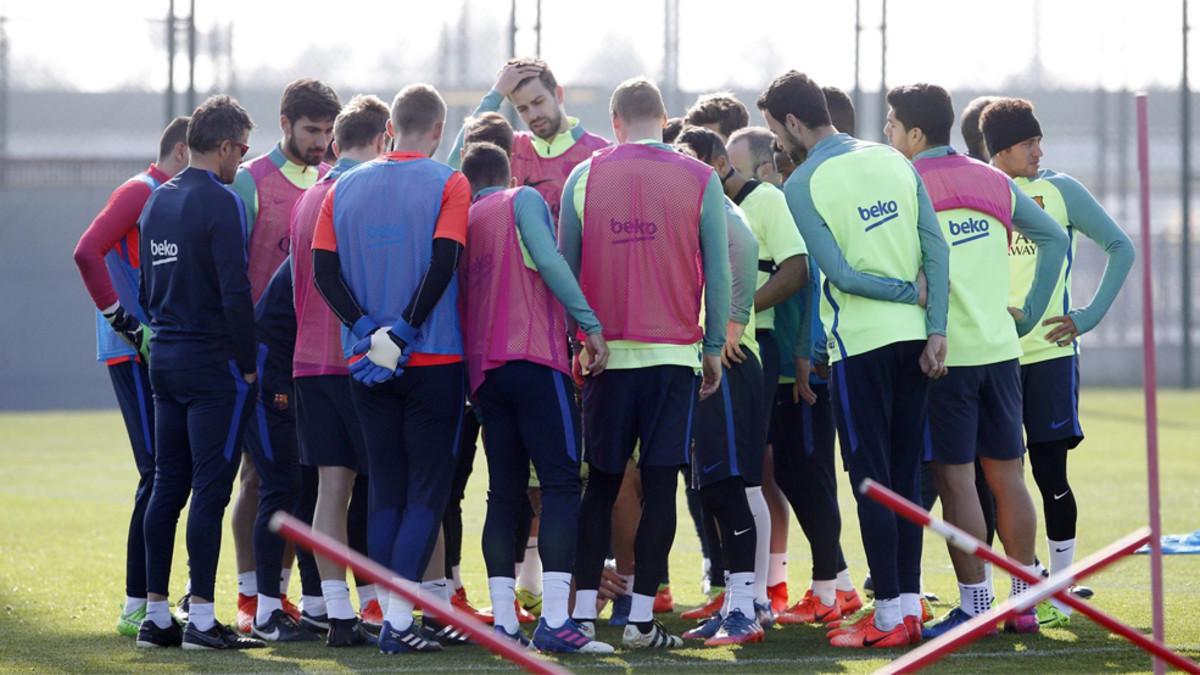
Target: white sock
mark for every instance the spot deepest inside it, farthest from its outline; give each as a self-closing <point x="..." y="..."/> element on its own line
<point x="844" y="582"/>
<point x="910" y="605"/>
<point x="739" y="593"/>
<point x="1062" y="554"/>
<point x="628" y="579"/>
<point x="133" y="604"/>
<point x="159" y="611"/>
<point x="456" y="574"/>
<point x="1019" y="586"/>
<point x="313" y="605"/>
<point x="778" y="570"/>
<point x="399" y="612"/>
<point x="529" y="577"/>
<point x="247" y="584"/>
<point x="585" y="604"/>
<point x="975" y="599"/>
<point x="641" y="608"/>
<point x="762" y="548"/>
<point x="556" y="594"/>
<point x="438" y="588"/>
<point x="987" y="573"/>
<point x="366" y="593"/>
<point x="337" y="599"/>
<point x="187" y="587"/>
<point x="200" y="616"/>
<point x="826" y="591"/>
<point x="266" y="605"/>
<point x="285" y="578"/>
<point x="504" y="594"/>
<point x="887" y="613"/>
<point x="725" y="597"/>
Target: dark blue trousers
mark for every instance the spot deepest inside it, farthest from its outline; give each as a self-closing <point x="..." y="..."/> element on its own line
<point x="529" y="413"/>
<point x="199" y="415"/>
<point x="411" y="425"/>
<point x="131" y="382"/>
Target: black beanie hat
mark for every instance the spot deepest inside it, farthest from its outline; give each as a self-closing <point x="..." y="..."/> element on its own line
<point x="1007" y="122"/>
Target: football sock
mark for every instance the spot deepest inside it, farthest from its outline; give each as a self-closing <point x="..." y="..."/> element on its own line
<point x="247" y="584"/>
<point x="585" y="605"/>
<point x="556" y="592"/>
<point x="313" y="605"/>
<point x="133" y="604"/>
<point x="1019" y="586"/>
<point x="266" y="605"/>
<point x="285" y="578"/>
<point x="887" y="614"/>
<point x="778" y="570"/>
<point x="975" y="599"/>
<point x="910" y="604"/>
<point x="201" y="616"/>
<point x="641" y="609"/>
<point x="367" y="593"/>
<point x="739" y="593"/>
<point x="844" y="582"/>
<point x="399" y="612"/>
<point x="337" y="599"/>
<point x="503" y="593"/>
<point x="159" y="611"/>
<point x="826" y="591"/>
<point x="762" y="549"/>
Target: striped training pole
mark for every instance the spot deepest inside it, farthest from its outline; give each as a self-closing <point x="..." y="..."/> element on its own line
<point x="1149" y="373"/>
<point x="1057" y="586"/>
<point x="290" y="528"/>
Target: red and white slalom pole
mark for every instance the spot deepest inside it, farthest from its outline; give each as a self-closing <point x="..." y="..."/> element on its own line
<point x="290" y="528"/>
<point x="1149" y="372"/>
<point x="1057" y="586"/>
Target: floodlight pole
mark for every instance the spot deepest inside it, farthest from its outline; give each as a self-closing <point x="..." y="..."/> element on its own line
<point x="1185" y="191"/>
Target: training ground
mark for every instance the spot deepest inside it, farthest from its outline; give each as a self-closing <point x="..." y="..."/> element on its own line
<point x="66" y="485"/>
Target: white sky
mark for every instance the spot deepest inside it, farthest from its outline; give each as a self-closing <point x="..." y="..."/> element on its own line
<point x="112" y="44"/>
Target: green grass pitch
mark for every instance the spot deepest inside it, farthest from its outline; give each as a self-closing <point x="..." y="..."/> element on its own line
<point x="66" y="481"/>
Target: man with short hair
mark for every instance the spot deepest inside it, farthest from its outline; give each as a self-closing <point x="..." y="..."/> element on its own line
<point x="202" y="367"/>
<point x="331" y="439"/>
<point x="969" y="127"/>
<point x="385" y="252"/>
<point x="1050" y="359"/>
<point x="974" y="411"/>
<point x="719" y="111"/>
<point x="269" y="186"/>
<point x="782" y="269"/>
<point x="841" y="109"/>
<point x="752" y="154"/>
<point x="544" y="156"/>
<point x="615" y="242"/>
<point x="516" y="284"/>
<point x="863" y="202"/>
<point x="727" y="458"/>
<point x="107" y="258"/>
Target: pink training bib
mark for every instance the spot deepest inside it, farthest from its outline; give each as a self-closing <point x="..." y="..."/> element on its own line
<point x="268" y="244"/>
<point x="548" y="175"/>
<point x="510" y="314"/>
<point x="641" y="270"/>
<point x="959" y="182"/>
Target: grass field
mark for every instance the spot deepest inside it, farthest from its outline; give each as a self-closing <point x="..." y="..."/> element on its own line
<point x="66" y="483"/>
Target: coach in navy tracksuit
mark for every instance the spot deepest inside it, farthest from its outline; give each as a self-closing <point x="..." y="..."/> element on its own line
<point x="196" y="292"/>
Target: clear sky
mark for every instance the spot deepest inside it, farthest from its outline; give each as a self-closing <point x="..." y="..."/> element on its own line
<point x="112" y="44"/>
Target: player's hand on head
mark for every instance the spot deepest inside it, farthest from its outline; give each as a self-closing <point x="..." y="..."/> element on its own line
<point x="596" y="352"/>
<point x="933" y="357"/>
<point x="711" y="380"/>
<point x="511" y="75"/>
<point x="1064" y="332"/>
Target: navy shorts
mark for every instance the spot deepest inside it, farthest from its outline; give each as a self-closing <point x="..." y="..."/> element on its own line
<point x="802" y="430"/>
<point x="975" y="411"/>
<point x="768" y="348"/>
<point x="327" y="423"/>
<point x="654" y="406"/>
<point x="1051" y="401"/>
<point x="730" y="428"/>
